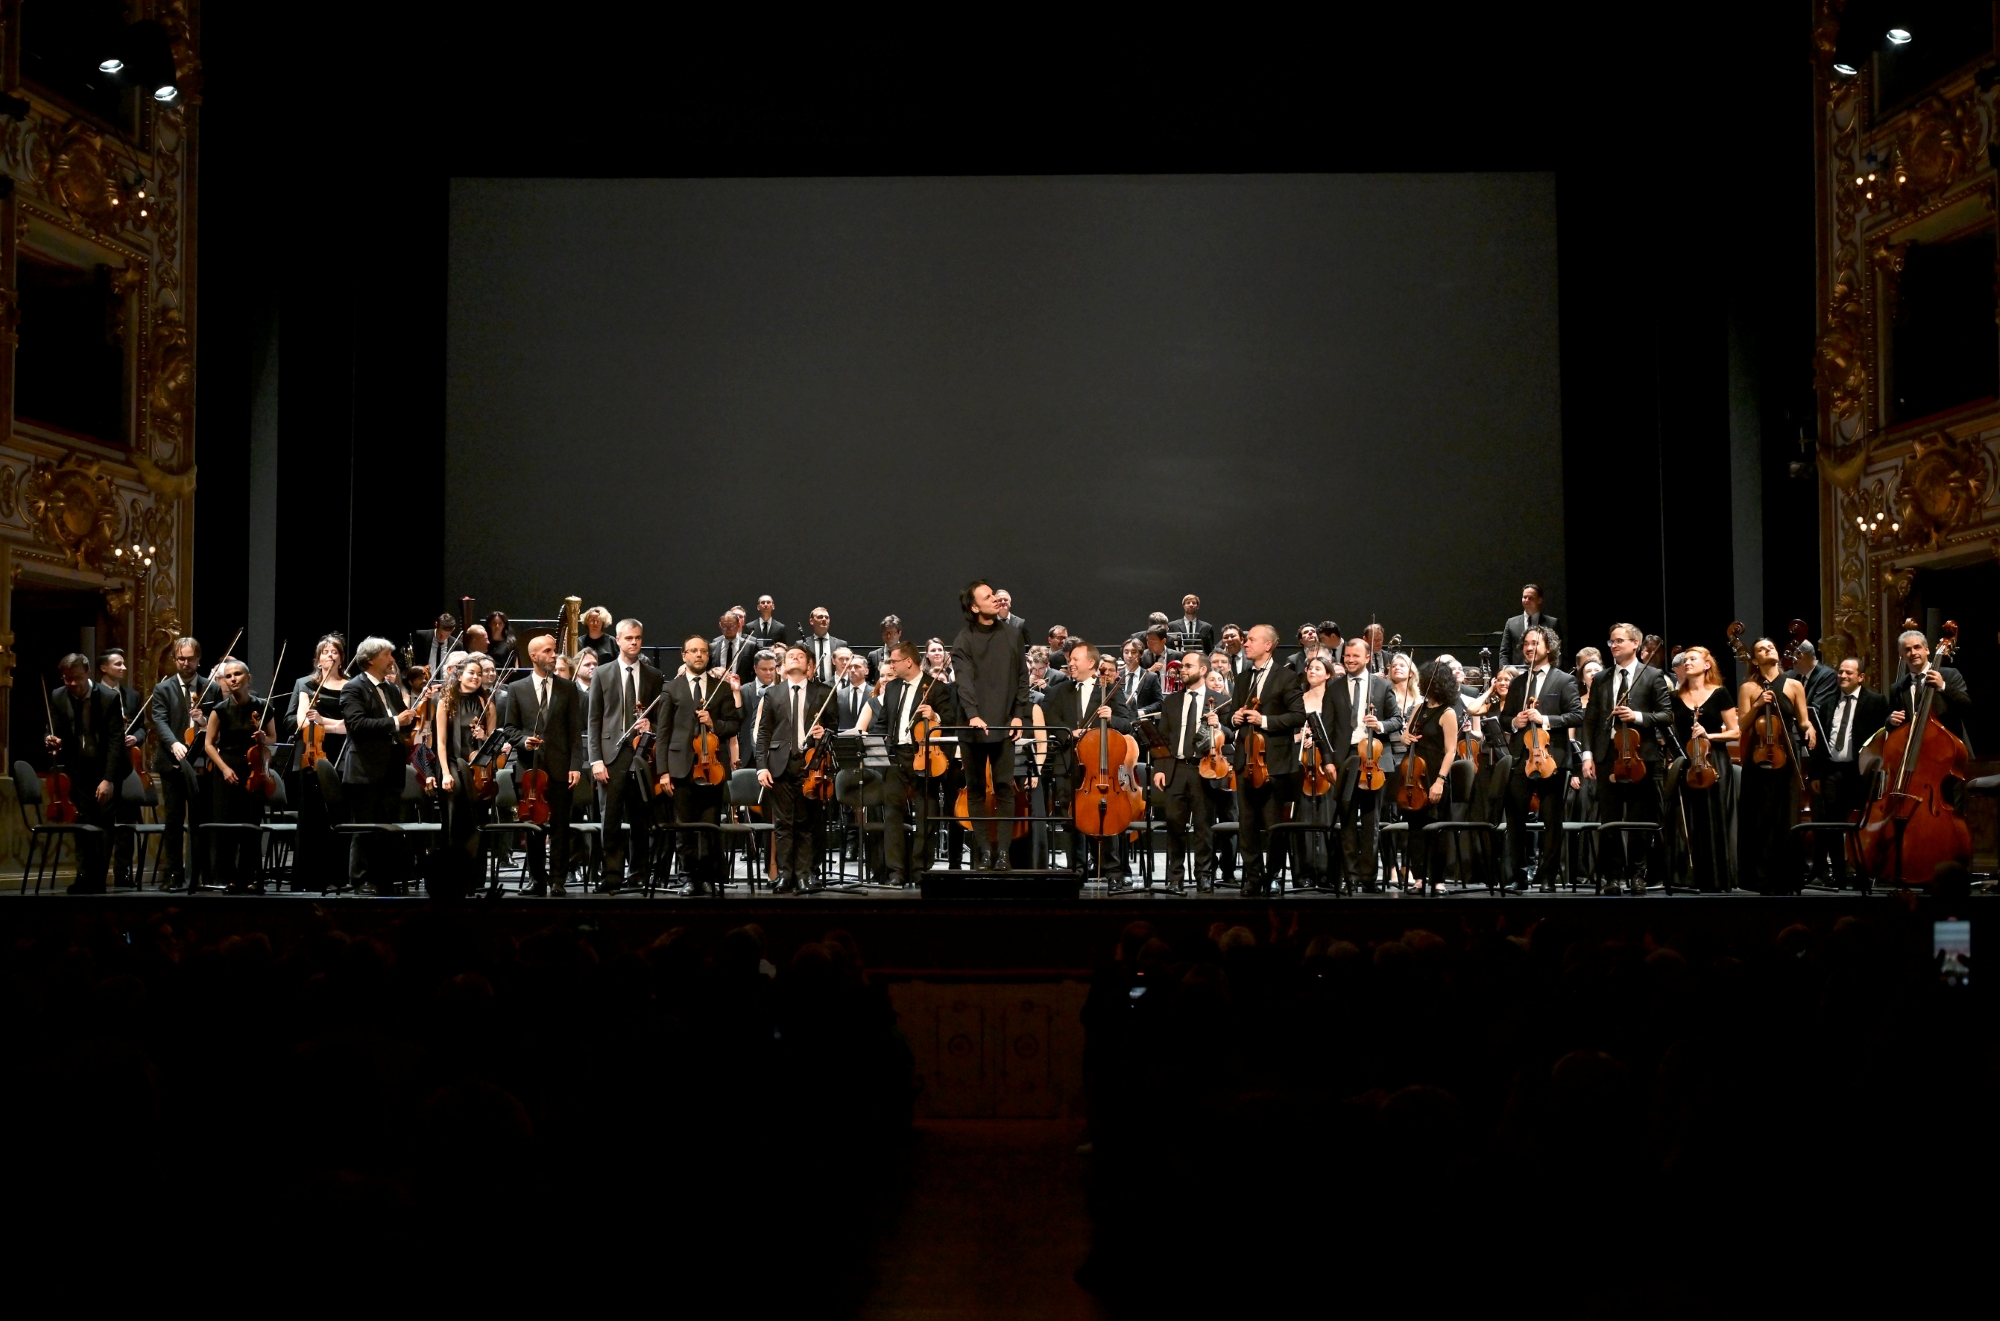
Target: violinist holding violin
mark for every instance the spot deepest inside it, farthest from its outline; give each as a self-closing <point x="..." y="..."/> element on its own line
<point x="466" y="719"/>
<point x="1545" y="698"/>
<point x="624" y="693"/>
<point x="911" y="697"/>
<point x="545" y="727"/>
<point x="235" y="727"/>
<point x="700" y="703"/>
<point x="174" y="709"/>
<point x="788" y="724"/>
<point x="1188" y="726"/>
<point x="85" y="736"/>
<point x="125" y="802"/>
<point x="1776" y="730"/>
<point x="1705" y="720"/>
<point x="1360" y="717"/>
<point x="1629" y="702"/>
<point x="1269" y="705"/>
<point x="375" y="763"/>
<point x="312" y="721"/>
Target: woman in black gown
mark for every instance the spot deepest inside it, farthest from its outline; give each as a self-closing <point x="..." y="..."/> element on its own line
<point x="1698" y="819"/>
<point x="234" y="727"/>
<point x="317" y="863"/>
<point x="1431" y="733"/>
<point x="464" y="722"/>
<point x="1315" y="867"/>
<point x="1768" y="799"/>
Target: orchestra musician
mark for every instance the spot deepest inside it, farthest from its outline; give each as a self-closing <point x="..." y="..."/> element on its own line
<point x="854" y="699"/>
<point x="465" y="721"/>
<point x="1703" y="706"/>
<point x="1378" y="659"/>
<point x="1003" y="610"/>
<point x="235" y="725"/>
<point x="88" y="749"/>
<point x="878" y="659"/>
<point x="787" y="723"/>
<point x="1364" y="706"/>
<point x="698" y="698"/>
<point x="763" y="677"/>
<point x="1077" y="706"/>
<point x="544" y="724"/>
<point x="583" y="667"/>
<point x="1851" y="715"/>
<point x="911" y="694"/>
<point x="1818" y="678"/>
<point x="990" y="661"/>
<point x="765" y="628"/>
<point x="1631" y="692"/>
<point x="597" y="637"/>
<point x="431" y="647"/>
<point x="1315" y="862"/>
<point x="1138" y="684"/>
<point x="1531" y="616"/>
<point x="315" y="703"/>
<point x="500" y="640"/>
<point x="622" y="696"/>
<point x="732" y="649"/>
<point x="1232" y="643"/>
<point x="1546" y="696"/>
<point x="175" y="708"/>
<point x="1953" y="699"/>
<point x="1279" y="710"/>
<point x="1177" y="771"/>
<point x="821" y="643"/>
<point x="1191" y="634"/>
<point x="130" y="797"/>
<point x="1768" y="799"/>
<point x="1309" y="647"/>
<point x="1431" y="734"/>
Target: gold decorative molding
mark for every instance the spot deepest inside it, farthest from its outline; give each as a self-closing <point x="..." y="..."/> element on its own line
<point x="81" y="176"/>
<point x="1942" y="486"/>
<point x="73" y="507"/>
<point x="166" y="485"/>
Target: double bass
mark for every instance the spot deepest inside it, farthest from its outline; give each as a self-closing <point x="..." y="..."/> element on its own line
<point x="1911" y="830"/>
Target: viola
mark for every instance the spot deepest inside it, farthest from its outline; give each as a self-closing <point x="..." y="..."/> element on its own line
<point x="1256" y="771"/>
<point x="931" y="760"/>
<point x="58" y="808"/>
<point x="1369" y="775"/>
<point x="1770" y="742"/>
<point x="708" y="767"/>
<point x="1912" y="830"/>
<point x="818" y="782"/>
<point x="533" y="788"/>
<point x="1412" y="783"/>
<point x="1316" y="773"/>
<point x="1628" y="762"/>
<point x="258" y="782"/>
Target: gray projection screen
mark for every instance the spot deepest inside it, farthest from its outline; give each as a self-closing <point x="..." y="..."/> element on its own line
<point x="1297" y="396"/>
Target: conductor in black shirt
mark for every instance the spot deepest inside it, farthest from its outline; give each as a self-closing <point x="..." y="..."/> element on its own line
<point x="989" y="662"/>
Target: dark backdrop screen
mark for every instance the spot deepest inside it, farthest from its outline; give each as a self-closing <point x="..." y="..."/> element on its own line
<point x="1299" y="397"/>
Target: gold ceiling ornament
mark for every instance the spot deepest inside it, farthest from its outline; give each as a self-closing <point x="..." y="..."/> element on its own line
<point x="83" y="178"/>
<point x="1943" y="485"/>
<point x="10" y="484"/>
<point x="166" y="485"/>
<point x="73" y="507"/>
<point x="1898" y="583"/>
<point x="160" y="639"/>
<point x="1849" y="636"/>
<point x="1841" y="368"/>
<point x="1930" y="154"/>
<point x="173" y="379"/>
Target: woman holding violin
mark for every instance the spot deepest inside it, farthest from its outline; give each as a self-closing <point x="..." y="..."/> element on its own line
<point x="1430" y="740"/>
<point x="701" y="711"/>
<point x="1319" y="776"/>
<point x="236" y="731"/>
<point x="1699" y="785"/>
<point x="463" y="722"/>
<point x="1776" y="732"/>
<point x="311" y="721"/>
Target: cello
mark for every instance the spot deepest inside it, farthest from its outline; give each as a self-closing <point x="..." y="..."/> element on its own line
<point x="1911" y="830"/>
<point x="1101" y="804"/>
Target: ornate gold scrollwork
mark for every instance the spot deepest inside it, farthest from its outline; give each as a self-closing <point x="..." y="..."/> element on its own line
<point x="1942" y="485"/>
<point x="1842" y="370"/>
<point x="1849" y="636"/>
<point x="1930" y="153"/>
<point x="10" y="483"/>
<point x="73" y="507"/>
<point x="82" y="177"/>
<point x="173" y="379"/>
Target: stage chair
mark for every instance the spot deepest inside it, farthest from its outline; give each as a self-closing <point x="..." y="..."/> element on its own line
<point x="1485" y="857"/>
<point x="1629" y="833"/>
<point x="43" y="837"/>
<point x="744" y="793"/>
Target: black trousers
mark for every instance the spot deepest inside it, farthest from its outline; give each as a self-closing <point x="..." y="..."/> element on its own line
<point x="235" y="861"/>
<point x="1360" y="814"/>
<point x="906" y="798"/>
<point x="1186" y="801"/>
<point x="1553" y="791"/>
<point x="1257" y="810"/>
<point x="124" y="813"/>
<point x="184" y="804"/>
<point x="1841" y="794"/>
<point x="554" y="841"/>
<point x="372" y="859"/>
<point x="625" y="799"/>
<point x="700" y="850"/>
<point x="1000" y="756"/>
<point x="1637" y="801"/>
<point x="798" y="820"/>
<point x="1767" y="806"/>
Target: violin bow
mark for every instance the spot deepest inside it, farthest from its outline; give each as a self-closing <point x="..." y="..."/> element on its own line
<point x="209" y="683"/>
<point x="275" y="670"/>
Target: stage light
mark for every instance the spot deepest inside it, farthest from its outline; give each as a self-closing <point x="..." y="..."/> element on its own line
<point x="1846" y="70"/>
<point x="166" y="93"/>
<point x="1899" y="36"/>
<point x="112" y="65"/>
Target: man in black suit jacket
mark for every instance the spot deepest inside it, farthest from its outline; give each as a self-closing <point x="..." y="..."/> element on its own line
<point x="1819" y="680"/>
<point x="374" y="764"/>
<point x="431" y="647"/>
<point x="1077" y="706"/>
<point x="1280" y="711"/>
<point x="1546" y="696"/>
<point x="766" y="629"/>
<point x="127" y="796"/>
<point x="733" y="649"/>
<point x="854" y="698"/>
<point x="909" y="694"/>
<point x="820" y="644"/>
<point x="1189" y="633"/>
<point x="88" y="747"/>
<point x="1850" y="716"/>
<point x="1138" y="685"/>
<point x="545" y="728"/>
<point x="698" y="698"/>
<point x="1177" y="772"/>
<point x="1950" y="698"/>
<point x="623" y="692"/>
<point x="1629" y="693"/>
<point x="1348" y="722"/>
<point x="763" y="678"/>
<point x="1531" y="616"/>
<point x="792" y="716"/>
<point x="176" y="764"/>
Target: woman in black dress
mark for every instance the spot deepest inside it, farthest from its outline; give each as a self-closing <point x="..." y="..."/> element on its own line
<point x="1431" y="733"/>
<point x="1767" y="804"/>
<point x="597" y="636"/>
<point x="1698" y="819"/>
<point x="234" y="727"/>
<point x="1316" y="867"/>
<point x="500" y="640"/>
<point x="464" y="722"/>
<point x="315" y="704"/>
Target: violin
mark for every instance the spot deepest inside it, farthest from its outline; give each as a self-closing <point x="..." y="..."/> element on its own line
<point x="258" y="782"/>
<point x="1628" y="763"/>
<point x="312" y="735"/>
<point x="1701" y="772"/>
<point x="58" y="808"/>
<point x="1256" y="771"/>
<point x="483" y="767"/>
<point x="931" y="760"/>
<point x="194" y="725"/>
<point x="818" y="783"/>
<point x="532" y="787"/>
<point x="1412" y="785"/>
<point x="1770" y="741"/>
<point x="1369" y="775"/>
<point x="1539" y="763"/>
<point x="708" y="767"/>
<point x="1912" y="829"/>
<point x="1317" y="773"/>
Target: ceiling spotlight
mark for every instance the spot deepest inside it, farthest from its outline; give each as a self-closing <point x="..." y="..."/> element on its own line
<point x="166" y="92"/>
<point x="1846" y="70"/>
<point x="1899" y="36"/>
<point x="112" y="65"/>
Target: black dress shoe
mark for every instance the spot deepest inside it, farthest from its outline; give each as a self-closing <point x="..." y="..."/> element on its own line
<point x="538" y="889"/>
<point x="698" y="889"/>
<point x="557" y="888"/>
<point x="606" y="887"/>
<point x="79" y="887"/>
<point x="1001" y="862"/>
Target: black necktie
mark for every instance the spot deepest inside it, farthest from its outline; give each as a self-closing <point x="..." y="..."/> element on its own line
<point x="1840" y="724"/>
<point x="1624" y="678"/>
<point x="631" y="699"/>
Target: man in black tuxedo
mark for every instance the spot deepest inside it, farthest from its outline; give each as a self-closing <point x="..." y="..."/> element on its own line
<point x="820" y="644"/>
<point x="909" y="694"/>
<point x="1848" y="718"/>
<point x="1281" y="710"/>
<point x="854" y="697"/>
<point x="878" y="659"/>
<point x="790" y="719"/>
<point x="1631" y="694"/>
<point x="1067" y="711"/>
<point x="763" y="678"/>
<point x="733" y="649"/>
<point x="128" y="795"/>
<point x="622" y="695"/>
<point x="87" y="745"/>
<point x="431" y="647"/>
<point x="1362" y="706"/>
<point x="1311" y="645"/>
<point x="374" y="764"/>
<point x="1950" y="700"/>
<point x="1545" y="696"/>
<point x="545" y="728"/>
<point x="1531" y="616"/>
<point x="1232" y="642"/>
<point x="1138" y="685"/>
<point x="1189" y="633"/>
<point x="177" y="766"/>
<point x="765" y="628"/>
<point x="1819" y="679"/>
<point x="1177" y="772"/>
<point x="698" y="698"/>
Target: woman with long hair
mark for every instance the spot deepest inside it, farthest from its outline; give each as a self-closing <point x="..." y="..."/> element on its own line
<point x="1704" y="707"/>
<point x="315" y="705"/>
<point x="1402" y="674"/>
<point x="1316" y="866"/>
<point x="464" y="721"/>
<point x="1431" y="734"/>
